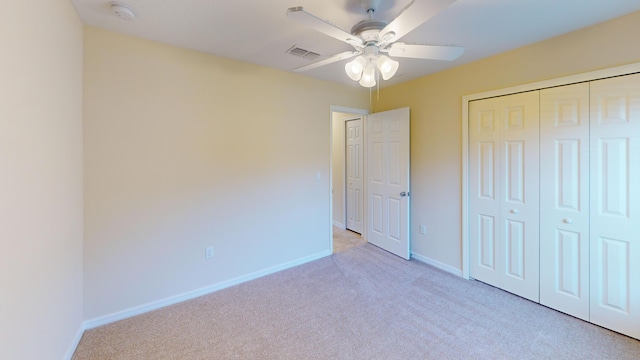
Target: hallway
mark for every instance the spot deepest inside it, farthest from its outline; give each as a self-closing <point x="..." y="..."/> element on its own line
<point x="346" y="239"/>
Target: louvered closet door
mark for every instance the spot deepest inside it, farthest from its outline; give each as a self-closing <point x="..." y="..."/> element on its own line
<point x="504" y="192"/>
<point x="564" y="199"/>
<point x="615" y="204"/>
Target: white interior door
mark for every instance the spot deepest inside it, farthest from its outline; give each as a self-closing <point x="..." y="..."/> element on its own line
<point x="615" y="204"/>
<point x="388" y="181"/>
<point x="504" y="192"/>
<point x="564" y="199"/>
<point x="353" y="162"/>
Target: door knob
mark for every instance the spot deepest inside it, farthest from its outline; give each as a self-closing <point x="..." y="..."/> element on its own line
<point x="514" y="211"/>
<point x="567" y="221"/>
<point x="404" y="193"/>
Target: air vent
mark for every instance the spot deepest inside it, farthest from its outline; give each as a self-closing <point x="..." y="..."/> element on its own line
<point x="300" y="52"/>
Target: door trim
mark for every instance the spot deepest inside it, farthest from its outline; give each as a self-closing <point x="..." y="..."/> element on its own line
<point x="566" y="80"/>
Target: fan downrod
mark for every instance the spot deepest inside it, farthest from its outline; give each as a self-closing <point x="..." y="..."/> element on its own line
<point x="368" y="30"/>
<point x="370" y="6"/>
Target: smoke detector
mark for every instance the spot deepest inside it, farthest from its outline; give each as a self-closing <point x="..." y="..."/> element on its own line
<point x="123" y="11"/>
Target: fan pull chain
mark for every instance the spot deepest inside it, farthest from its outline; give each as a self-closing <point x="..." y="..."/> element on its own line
<point x="378" y="86"/>
<point x="370" y="102"/>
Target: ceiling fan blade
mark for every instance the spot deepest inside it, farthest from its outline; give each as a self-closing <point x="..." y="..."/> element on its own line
<point x="334" y="58"/>
<point x="412" y="16"/>
<point x="299" y="15"/>
<point x="431" y="52"/>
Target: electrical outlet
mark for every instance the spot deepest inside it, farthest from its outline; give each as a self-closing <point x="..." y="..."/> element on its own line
<point x="208" y="252"/>
<point x="423" y="229"/>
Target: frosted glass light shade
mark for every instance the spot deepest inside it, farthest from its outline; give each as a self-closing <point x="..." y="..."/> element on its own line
<point x="387" y="67"/>
<point x="354" y="68"/>
<point x="368" y="76"/>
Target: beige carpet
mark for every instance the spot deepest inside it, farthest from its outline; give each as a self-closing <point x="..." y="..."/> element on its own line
<point x="345" y="239"/>
<point x="360" y="303"/>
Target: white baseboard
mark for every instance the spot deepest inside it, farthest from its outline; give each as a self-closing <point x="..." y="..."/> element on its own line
<point x="338" y="224"/>
<point x="75" y="342"/>
<point x="436" y="264"/>
<point x="154" y="305"/>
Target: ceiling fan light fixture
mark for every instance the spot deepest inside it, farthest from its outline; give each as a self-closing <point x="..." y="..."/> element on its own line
<point x="387" y="67"/>
<point x="370" y="38"/>
<point x="354" y="68"/>
<point x="368" y="76"/>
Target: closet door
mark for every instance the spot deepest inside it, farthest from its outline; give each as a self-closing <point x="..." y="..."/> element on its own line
<point x="564" y="199"/>
<point x="504" y="192"/>
<point x="485" y="187"/>
<point x="615" y="204"/>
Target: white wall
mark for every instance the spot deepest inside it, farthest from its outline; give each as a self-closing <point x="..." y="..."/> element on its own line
<point x="186" y="150"/>
<point x="436" y="132"/>
<point x="40" y="179"/>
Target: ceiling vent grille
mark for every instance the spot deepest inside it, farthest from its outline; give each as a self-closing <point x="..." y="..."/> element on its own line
<point x="300" y="52"/>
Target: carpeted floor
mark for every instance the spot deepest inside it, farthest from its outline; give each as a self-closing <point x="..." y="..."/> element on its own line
<point x="360" y="303"/>
<point x="345" y="239"/>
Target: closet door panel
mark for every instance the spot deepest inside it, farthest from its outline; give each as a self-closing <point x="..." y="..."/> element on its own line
<point x="519" y="209"/>
<point x="564" y="199"/>
<point x="484" y="173"/>
<point x="504" y="192"/>
<point x="615" y="204"/>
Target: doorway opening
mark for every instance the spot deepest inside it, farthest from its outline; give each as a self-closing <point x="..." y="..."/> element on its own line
<point x="384" y="209"/>
<point x="339" y="186"/>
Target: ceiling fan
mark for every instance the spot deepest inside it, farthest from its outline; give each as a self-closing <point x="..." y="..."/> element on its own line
<point x="372" y="39"/>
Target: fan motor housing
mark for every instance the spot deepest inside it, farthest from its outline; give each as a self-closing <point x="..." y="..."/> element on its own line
<point x="368" y="30"/>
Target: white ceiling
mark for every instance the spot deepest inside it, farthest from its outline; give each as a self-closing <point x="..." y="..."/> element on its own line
<point x="259" y="32"/>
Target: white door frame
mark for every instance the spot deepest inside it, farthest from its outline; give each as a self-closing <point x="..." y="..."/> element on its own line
<point x="566" y="80"/>
<point x="356" y="113"/>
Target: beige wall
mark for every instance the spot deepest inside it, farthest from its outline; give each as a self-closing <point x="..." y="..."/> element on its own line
<point x="186" y="150"/>
<point x="435" y="103"/>
<point x="40" y="179"/>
